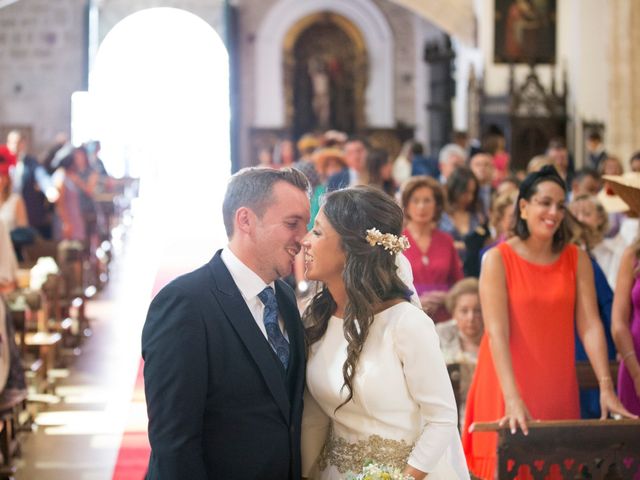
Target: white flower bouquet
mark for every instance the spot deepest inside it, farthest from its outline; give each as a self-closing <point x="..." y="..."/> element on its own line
<point x="374" y="471"/>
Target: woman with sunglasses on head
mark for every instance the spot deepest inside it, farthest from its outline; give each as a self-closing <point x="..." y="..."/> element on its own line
<point x="534" y="289"/>
<point x="378" y="388"/>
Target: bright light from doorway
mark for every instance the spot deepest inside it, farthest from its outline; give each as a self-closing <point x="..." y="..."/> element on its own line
<point x="159" y="90"/>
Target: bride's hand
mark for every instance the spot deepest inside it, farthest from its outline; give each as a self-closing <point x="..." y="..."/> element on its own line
<point x="515" y="413"/>
<point x="414" y="472"/>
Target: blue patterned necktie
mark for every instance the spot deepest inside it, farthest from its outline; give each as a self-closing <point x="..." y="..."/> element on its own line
<point x="270" y="318"/>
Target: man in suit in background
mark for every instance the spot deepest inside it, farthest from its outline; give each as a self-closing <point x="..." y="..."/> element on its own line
<point x="224" y="346"/>
<point x="596" y="153"/>
<point x="355" y="154"/>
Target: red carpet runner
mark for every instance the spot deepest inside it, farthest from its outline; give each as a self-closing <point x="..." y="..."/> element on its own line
<point x="133" y="456"/>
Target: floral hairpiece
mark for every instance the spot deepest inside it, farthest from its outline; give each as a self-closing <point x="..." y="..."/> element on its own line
<point x="392" y="243"/>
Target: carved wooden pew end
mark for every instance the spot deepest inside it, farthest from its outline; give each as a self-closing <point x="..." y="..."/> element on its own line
<point x="572" y="449"/>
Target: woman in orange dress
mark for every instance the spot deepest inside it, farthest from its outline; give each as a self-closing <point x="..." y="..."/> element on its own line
<point x="532" y="287"/>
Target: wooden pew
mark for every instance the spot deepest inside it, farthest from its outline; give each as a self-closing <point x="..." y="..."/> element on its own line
<point x="582" y="449"/>
<point x="12" y="403"/>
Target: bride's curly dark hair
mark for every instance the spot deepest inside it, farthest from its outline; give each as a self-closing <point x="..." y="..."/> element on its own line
<point x="370" y="273"/>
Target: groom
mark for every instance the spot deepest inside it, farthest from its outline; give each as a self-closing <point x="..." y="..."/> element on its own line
<point x="223" y="345"/>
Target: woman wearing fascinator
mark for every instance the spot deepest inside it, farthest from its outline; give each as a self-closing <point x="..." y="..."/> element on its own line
<point x="377" y="385"/>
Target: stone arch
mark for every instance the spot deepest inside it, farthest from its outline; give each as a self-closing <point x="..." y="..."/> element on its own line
<point x="269" y="71"/>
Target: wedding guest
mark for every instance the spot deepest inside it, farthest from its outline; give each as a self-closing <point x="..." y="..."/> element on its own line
<point x="223" y="346"/>
<point x="308" y="144"/>
<point x="451" y="157"/>
<point x="460" y="337"/>
<point x="31" y="180"/>
<point x="13" y="212"/>
<point x="463" y="214"/>
<point x="537" y="162"/>
<point x="70" y="223"/>
<point x="626" y="306"/>
<point x="355" y="155"/>
<point x="285" y="154"/>
<point x="607" y="252"/>
<point x="496" y="145"/>
<point x="482" y="167"/>
<point x="611" y="166"/>
<point x="402" y="165"/>
<point x="626" y="327"/>
<point x="361" y="322"/>
<point x="585" y="235"/>
<point x="595" y="150"/>
<point x="265" y="157"/>
<point x="86" y="179"/>
<point x="434" y="261"/>
<point x="533" y="289"/>
<point x="501" y="220"/>
<point x="586" y="182"/>
<point x="379" y="166"/>
<point x="509" y="184"/>
<point x="422" y="164"/>
<point x="559" y="155"/>
<point x="328" y="162"/>
<point x="8" y="262"/>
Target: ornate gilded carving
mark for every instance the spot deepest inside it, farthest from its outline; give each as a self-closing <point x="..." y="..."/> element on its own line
<point x="331" y="45"/>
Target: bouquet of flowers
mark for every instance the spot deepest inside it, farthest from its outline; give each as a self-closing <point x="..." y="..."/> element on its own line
<point x="374" y="471"/>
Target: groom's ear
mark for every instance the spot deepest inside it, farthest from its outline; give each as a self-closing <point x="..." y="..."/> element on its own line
<point x="244" y="219"/>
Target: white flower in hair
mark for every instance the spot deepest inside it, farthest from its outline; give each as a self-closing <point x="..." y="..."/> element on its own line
<point x="390" y="242"/>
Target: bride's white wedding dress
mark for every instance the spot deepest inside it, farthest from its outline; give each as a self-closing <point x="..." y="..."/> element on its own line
<point x="403" y="408"/>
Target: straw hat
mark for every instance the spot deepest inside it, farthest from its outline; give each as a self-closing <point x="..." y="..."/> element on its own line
<point x="307" y="142"/>
<point x="322" y="157"/>
<point x="627" y="190"/>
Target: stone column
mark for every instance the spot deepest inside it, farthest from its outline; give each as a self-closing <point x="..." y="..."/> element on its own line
<point x="623" y="125"/>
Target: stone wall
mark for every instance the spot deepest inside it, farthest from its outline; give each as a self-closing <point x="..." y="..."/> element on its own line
<point x="42" y="63"/>
<point x="402" y="24"/>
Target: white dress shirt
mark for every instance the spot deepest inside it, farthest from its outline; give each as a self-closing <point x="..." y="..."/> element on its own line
<point x="250" y="285"/>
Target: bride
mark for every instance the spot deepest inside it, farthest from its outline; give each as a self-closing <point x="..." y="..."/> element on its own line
<point x="378" y="389"/>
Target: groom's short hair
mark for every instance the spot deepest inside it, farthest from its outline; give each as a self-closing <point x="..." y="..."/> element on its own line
<point x="252" y="187"/>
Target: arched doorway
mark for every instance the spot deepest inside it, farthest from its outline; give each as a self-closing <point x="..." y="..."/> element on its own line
<point x="160" y="93"/>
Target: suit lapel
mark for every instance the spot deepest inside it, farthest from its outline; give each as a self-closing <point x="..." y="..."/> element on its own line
<point x="240" y="318"/>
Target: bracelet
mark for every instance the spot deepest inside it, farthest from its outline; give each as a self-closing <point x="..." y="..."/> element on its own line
<point x="605" y="379"/>
<point x="628" y="354"/>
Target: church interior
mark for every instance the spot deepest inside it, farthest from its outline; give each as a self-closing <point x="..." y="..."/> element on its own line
<point x="104" y="104"/>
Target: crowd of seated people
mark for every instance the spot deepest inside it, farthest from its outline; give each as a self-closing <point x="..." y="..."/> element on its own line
<point x="467" y="211"/>
<point x="51" y="198"/>
<point x="54" y="244"/>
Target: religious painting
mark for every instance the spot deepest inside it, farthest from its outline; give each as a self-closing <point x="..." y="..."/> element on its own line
<point x="326" y="70"/>
<point x="525" y="31"/>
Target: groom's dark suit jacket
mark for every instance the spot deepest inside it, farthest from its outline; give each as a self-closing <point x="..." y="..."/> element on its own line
<point x="220" y="403"/>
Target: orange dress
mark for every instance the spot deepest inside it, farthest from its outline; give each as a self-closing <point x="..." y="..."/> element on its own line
<point x="541" y="325"/>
